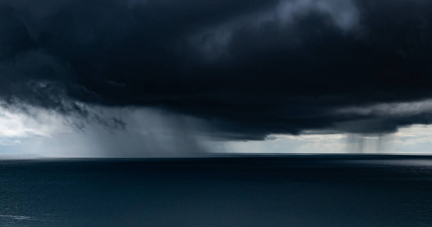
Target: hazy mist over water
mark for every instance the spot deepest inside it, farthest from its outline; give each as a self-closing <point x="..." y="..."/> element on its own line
<point x="303" y="191"/>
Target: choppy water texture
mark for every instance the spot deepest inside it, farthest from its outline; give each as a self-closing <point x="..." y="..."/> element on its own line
<point x="247" y="191"/>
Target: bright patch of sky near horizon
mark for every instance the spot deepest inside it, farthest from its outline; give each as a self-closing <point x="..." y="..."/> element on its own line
<point x="152" y="134"/>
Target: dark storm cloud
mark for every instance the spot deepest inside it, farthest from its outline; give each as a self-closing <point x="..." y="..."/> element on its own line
<point x="248" y="68"/>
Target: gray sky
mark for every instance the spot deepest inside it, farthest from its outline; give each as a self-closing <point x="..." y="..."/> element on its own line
<point x="151" y="133"/>
<point x="150" y="78"/>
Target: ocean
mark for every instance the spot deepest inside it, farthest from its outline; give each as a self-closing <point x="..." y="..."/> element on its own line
<point x="265" y="191"/>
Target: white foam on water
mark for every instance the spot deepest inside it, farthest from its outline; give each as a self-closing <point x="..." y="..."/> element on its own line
<point x="15" y="217"/>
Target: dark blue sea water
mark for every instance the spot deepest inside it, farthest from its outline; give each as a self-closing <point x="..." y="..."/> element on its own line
<point x="244" y="191"/>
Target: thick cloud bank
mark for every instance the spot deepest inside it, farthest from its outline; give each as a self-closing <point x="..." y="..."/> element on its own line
<point x="247" y="68"/>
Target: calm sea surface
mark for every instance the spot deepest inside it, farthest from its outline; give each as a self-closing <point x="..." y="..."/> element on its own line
<point x="244" y="191"/>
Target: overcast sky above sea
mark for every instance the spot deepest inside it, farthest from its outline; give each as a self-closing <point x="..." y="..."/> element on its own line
<point x="171" y="78"/>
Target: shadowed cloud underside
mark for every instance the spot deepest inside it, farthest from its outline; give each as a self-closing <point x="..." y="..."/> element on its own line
<point x="248" y="69"/>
